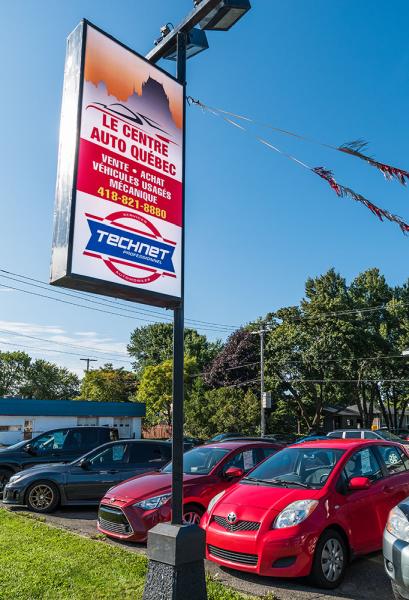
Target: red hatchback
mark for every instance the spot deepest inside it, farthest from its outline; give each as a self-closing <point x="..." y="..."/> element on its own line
<point x="306" y="510"/>
<point x="131" y="508"/>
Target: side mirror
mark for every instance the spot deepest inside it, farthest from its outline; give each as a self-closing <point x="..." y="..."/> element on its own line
<point x="84" y="464"/>
<point x="29" y="448"/>
<point x="359" y="483"/>
<point x="233" y="473"/>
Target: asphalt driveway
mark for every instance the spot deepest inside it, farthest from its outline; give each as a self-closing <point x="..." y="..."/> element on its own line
<point x="365" y="579"/>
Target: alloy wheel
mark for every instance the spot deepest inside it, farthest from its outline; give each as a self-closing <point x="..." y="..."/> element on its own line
<point x="332" y="559"/>
<point x="41" y="497"/>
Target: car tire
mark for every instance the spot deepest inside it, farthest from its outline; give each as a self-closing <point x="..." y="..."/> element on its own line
<point x="192" y="513"/>
<point x="396" y="593"/>
<point x="42" y="497"/>
<point x="330" y="560"/>
<point x="5" y="475"/>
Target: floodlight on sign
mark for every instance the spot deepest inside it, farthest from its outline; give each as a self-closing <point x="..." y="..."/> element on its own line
<point x="196" y="41"/>
<point x="225" y="14"/>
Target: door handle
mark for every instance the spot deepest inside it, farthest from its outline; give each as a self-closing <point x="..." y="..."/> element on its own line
<point x="113" y="471"/>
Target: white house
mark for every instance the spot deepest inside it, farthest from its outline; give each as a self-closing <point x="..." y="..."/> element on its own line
<point x="22" y="419"/>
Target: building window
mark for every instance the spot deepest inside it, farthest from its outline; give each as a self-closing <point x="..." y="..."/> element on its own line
<point x="10" y="427"/>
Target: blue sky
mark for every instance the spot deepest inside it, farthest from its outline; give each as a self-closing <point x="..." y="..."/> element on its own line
<point x="256" y="224"/>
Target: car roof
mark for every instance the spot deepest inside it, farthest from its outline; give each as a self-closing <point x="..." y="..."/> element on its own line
<point x="341" y="443"/>
<point x="233" y="445"/>
<point x="357" y="429"/>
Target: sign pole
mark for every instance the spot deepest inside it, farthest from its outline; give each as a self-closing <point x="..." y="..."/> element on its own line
<point x="263" y="413"/>
<point x="178" y="333"/>
<point x="176" y="551"/>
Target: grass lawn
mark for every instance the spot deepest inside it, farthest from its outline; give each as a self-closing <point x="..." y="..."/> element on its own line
<point x="41" y="562"/>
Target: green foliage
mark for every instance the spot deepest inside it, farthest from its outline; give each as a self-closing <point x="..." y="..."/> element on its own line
<point x="47" y="381"/>
<point x="108" y="385"/>
<point x="330" y="351"/>
<point x="153" y="344"/>
<point x="155" y="389"/>
<point x="13" y="372"/>
<point x="208" y="412"/>
<point x="40" y="379"/>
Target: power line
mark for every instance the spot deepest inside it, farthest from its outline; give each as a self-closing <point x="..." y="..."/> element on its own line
<point x="52" y="350"/>
<point x="110" y="303"/>
<point x="40" y="339"/>
<point x="342" y="380"/>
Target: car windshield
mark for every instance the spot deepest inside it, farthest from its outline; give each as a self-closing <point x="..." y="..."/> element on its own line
<point x="387" y="435"/>
<point x="296" y="467"/>
<point x="200" y="461"/>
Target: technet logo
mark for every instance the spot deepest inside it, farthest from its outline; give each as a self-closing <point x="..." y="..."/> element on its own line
<point x="119" y="246"/>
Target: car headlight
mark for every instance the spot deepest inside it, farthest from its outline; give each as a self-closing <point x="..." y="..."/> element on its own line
<point x="295" y="513"/>
<point x="154" y="502"/>
<point x="213" y="501"/>
<point x="14" y="478"/>
<point x="398" y="524"/>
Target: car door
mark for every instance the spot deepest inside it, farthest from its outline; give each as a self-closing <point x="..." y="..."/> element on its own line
<point x="79" y="441"/>
<point x="148" y="456"/>
<point x="396" y="481"/>
<point x="357" y="510"/>
<point x="104" y="468"/>
<point x="46" y="448"/>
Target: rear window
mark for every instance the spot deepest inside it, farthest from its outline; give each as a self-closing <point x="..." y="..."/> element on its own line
<point x="200" y="461"/>
<point x="150" y="454"/>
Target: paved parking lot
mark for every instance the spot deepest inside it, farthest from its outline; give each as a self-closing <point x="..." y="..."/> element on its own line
<point x="365" y="579"/>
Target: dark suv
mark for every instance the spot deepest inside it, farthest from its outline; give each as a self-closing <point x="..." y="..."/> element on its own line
<point x="57" y="445"/>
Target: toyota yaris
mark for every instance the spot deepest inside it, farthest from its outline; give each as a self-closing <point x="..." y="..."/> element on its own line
<point x="130" y="509"/>
<point x="308" y="509"/>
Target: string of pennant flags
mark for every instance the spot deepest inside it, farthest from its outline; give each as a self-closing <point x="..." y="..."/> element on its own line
<point x="356" y="148"/>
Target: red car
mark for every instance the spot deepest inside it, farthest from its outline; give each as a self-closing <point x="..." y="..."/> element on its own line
<point x="131" y="508"/>
<point x="308" y="509"/>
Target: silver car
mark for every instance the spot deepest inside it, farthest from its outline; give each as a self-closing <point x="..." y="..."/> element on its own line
<point x="396" y="549"/>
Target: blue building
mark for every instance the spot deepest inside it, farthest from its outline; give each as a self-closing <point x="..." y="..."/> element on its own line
<point x="23" y="418"/>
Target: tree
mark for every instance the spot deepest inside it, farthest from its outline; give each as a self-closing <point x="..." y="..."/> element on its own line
<point x="107" y="384"/>
<point x="209" y="412"/>
<point x="152" y="344"/>
<point x="238" y="362"/>
<point x="155" y="389"/>
<point x="307" y="347"/>
<point x="13" y="372"/>
<point x="47" y="381"/>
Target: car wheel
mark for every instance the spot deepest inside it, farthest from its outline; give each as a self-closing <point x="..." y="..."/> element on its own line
<point x="330" y="560"/>
<point x="392" y="457"/>
<point x="5" y="475"/>
<point x="396" y="592"/>
<point x="192" y="514"/>
<point x="42" y="497"/>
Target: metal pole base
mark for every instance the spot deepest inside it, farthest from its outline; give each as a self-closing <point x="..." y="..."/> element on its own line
<point x="176" y="563"/>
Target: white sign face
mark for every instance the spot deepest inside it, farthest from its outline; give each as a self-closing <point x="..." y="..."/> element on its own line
<point x="127" y="193"/>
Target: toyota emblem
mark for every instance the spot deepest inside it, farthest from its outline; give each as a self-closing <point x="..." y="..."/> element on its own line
<point x="231" y="517"/>
<point x="112" y="500"/>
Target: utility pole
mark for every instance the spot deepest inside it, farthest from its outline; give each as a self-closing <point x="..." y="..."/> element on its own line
<point x="262" y="333"/>
<point x="89" y="360"/>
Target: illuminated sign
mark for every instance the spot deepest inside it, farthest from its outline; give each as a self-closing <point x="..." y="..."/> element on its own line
<point x="119" y="197"/>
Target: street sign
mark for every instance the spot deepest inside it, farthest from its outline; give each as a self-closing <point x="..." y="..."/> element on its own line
<point x="118" y="228"/>
<point x="266" y="399"/>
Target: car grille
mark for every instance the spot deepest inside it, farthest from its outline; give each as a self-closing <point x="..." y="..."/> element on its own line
<point x="113" y="519"/>
<point x="236" y="557"/>
<point x="238" y="526"/>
